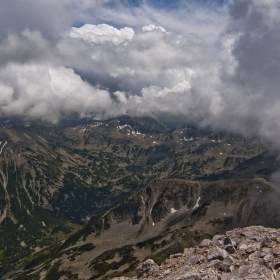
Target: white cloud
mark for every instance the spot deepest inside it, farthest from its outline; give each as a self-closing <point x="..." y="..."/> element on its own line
<point x="217" y="66"/>
<point x="162" y="59"/>
<point x="6" y="95"/>
<point x="102" y="33"/>
<point x="208" y="21"/>
<point x="251" y="60"/>
<point x="46" y="92"/>
<point x="26" y="46"/>
<point x="151" y="27"/>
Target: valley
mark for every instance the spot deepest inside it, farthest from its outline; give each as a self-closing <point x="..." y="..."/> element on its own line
<point x="106" y="195"/>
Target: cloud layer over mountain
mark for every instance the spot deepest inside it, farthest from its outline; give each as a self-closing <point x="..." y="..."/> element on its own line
<point x="210" y="64"/>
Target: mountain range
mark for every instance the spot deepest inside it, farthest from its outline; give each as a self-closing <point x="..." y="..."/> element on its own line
<point x="93" y="200"/>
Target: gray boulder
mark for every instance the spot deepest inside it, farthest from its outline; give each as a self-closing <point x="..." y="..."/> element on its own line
<point x="217" y="253"/>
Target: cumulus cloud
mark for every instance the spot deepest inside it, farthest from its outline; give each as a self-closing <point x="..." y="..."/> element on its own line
<point x="152" y="27"/>
<point x="207" y="20"/>
<point x="213" y="65"/>
<point x="151" y="58"/>
<point x="102" y="33"/>
<point x="251" y="59"/>
<point x="46" y="92"/>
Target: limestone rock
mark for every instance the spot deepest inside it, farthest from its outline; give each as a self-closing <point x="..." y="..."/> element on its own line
<point x="243" y="253"/>
<point x="249" y="246"/>
<point x="252" y="271"/>
<point x="205" y="243"/>
<point x="217" y="253"/>
<point x="145" y="267"/>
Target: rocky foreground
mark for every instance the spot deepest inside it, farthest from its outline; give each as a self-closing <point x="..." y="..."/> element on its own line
<point x="243" y="253"/>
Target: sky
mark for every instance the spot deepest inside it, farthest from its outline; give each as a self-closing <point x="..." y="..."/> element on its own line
<point x="211" y="63"/>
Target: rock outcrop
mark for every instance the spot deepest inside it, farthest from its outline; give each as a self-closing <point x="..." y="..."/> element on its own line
<point x="243" y="253"/>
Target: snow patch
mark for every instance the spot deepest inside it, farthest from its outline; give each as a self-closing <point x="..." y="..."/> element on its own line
<point x="197" y="204"/>
<point x="97" y="124"/>
<point x="142" y="199"/>
<point x="123" y="126"/>
<point x="136" y="133"/>
<point x="2" y="147"/>
<point x="190" y="139"/>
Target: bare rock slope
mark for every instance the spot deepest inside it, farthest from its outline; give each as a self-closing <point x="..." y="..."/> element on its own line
<point x="243" y="253"/>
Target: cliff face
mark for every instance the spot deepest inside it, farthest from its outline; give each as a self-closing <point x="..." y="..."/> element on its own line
<point x="243" y="253"/>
